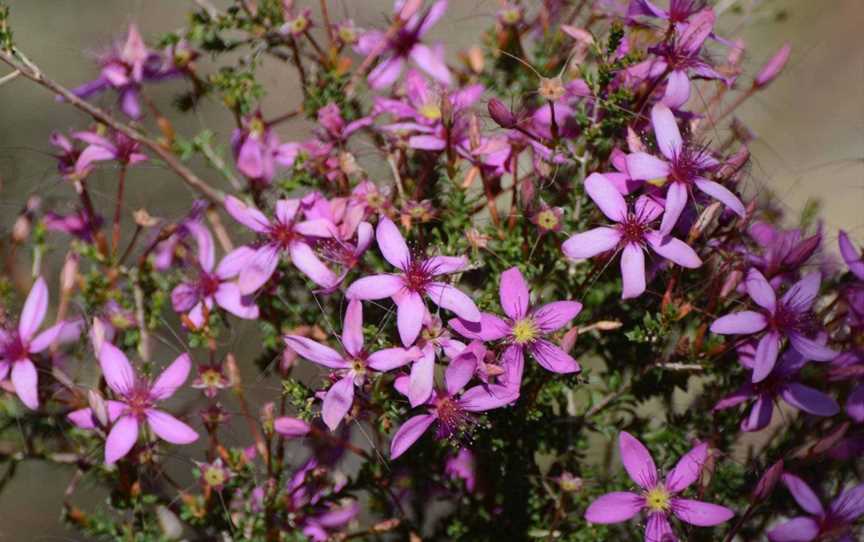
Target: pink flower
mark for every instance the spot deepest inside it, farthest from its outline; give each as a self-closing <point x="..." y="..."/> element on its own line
<point x="136" y="404"/>
<point x="790" y="316"/>
<point x="659" y="498"/>
<point x="686" y="166"/>
<point x="352" y="366"/>
<point x="630" y="235"/>
<point x="451" y="408"/>
<point x="214" y="287"/>
<point x="257" y="150"/>
<point x="835" y="523"/>
<point x="524" y="328"/>
<point x="17" y="345"/>
<point x="416" y="280"/>
<point x="282" y="234"/>
<point x="404" y="45"/>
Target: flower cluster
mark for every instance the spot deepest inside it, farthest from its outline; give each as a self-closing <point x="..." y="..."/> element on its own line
<point x="389" y="312"/>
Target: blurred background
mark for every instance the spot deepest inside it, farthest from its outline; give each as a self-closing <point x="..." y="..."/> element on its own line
<point x="809" y="123"/>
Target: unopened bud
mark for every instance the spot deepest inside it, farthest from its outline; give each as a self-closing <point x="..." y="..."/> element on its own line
<point x="501" y="114"/>
<point x="291" y="427"/>
<point x="386" y="525"/>
<point x="551" y="88"/>
<point x="773" y="67"/>
<point x="170" y="524"/>
<point x="731" y="283"/>
<point x="474" y="59"/>
<point x="21" y="229"/>
<point x="69" y="272"/>
<point x="706" y="219"/>
<point x="98" y="406"/>
<point x="143" y="219"/>
<point x="767" y="482"/>
<point x="409" y="8"/>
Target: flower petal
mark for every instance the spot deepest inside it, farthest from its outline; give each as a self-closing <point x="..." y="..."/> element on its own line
<point x="666" y="128"/>
<point x="48" y="337"/>
<point x="608" y="199"/>
<point x="392" y="244"/>
<point x="674" y="250"/>
<point x="249" y="216"/>
<point x="116" y="368"/>
<point x="171" y="378"/>
<point x="688" y="469"/>
<point x="553" y="316"/>
<point x="259" y="270"/>
<point x="453" y="299"/>
<point x="409" y="317"/>
<point x="431" y="63"/>
<point x="305" y="259"/>
<point x="591" y="243"/>
<point x="316" y="352"/>
<point x="352" y="328"/>
<point x="721" y="193"/>
<point x="121" y="438"/>
<point x="233" y="262"/>
<point x="677" y="89"/>
<point x="514" y="293"/>
<point x="490" y="328"/>
<point x="760" y="415"/>
<point x="855" y="404"/>
<point x="766" y="356"/>
<point x="614" y="507"/>
<point x="483" y="398"/>
<point x="374" y="287"/>
<point x="849" y="506"/>
<point x="644" y="167"/>
<point x="26" y="382"/>
<point x="637" y="461"/>
<point x="228" y="297"/>
<point x="291" y="427"/>
<point x="739" y="323"/>
<point x="700" y="513"/>
<point x="408" y="433"/>
<point x="801" y="295"/>
<point x="422" y="379"/>
<point x="760" y="290"/>
<point x="851" y="256"/>
<point x="34" y="310"/>
<point x="803" y="495"/>
<point x="552" y="358"/>
<point x="169" y="428"/>
<point x="800" y="529"/>
<point x="632" y="271"/>
<point x="444" y="265"/>
<point x="676" y="200"/>
<point x="811" y="349"/>
<point x="809" y="400"/>
<point x="388" y="359"/>
<point x="338" y="402"/>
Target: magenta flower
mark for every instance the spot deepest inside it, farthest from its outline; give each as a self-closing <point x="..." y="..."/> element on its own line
<point x="416" y="280"/>
<point x="67" y="158"/>
<point x="783" y="251"/>
<point x="257" y="150"/>
<point x="404" y="45"/>
<point x="781" y="383"/>
<point x="101" y="149"/>
<point x="685" y="166"/>
<point x="283" y="234"/>
<point x="136" y="404"/>
<point x="352" y="366"/>
<point x="124" y="69"/>
<point x="17" y="345"/>
<point x="835" y="523"/>
<point x="211" y="287"/>
<point x="789" y="317"/>
<point x="451" y="407"/>
<point x="852" y="256"/>
<point x="658" y="498"/>
<point x="525" y="328"/>
<point x="630" y="235"/>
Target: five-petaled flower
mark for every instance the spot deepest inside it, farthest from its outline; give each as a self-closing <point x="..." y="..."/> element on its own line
<point x="631" y="234"/>
<point x="790" y="316"/>
<point x="658" y="497"/>
<point x="417" y="279"/>
<point x="136" y="403"/>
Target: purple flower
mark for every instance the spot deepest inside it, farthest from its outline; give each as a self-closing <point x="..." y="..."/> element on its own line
<point x="416" y="280"/>
<point x="67" y="159"/>
<point x="525" y="328"/>
<point x="782" y="383"/>
<point x="405" y="44"/>
<point x="463" y="466"/>
<point x="685" y="166"/>
<point x="790" y="316"/>
<point x="852" y="256"/>
<point x="783" y="251"/>
<point x="77" y="224"/>
<point x="451" y="408"/>
<point x="352" y="366"/>
<point x="773" y="67"/>
<point x="17" y="345"/>
<point x="136" y="404"/>
<point x="659" y="498"/>
<point x="124" y="69"/>
<point x="630" y="235"/>
<point x="835" y="523"/>
<point x="283" y="234"/>
<point x="100" y="149"/>
<point x="214" y="287"/>
<point x="257" y="150"/>
<point x="850" y="366"/>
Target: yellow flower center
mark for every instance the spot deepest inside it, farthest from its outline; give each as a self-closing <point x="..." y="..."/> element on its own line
<point x="256" y="127"/>
<point x="547" y="219"/>
<point x="659" y="181"/>
<point x="657" y="499"/>
<point x="524" y="331"/>
<point x="214" y="476"/>
<point x="211" y="378"/>
<point x="431" y="111"/>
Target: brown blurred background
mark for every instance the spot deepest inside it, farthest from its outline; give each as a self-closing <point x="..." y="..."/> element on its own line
<point x="810" y="125"/>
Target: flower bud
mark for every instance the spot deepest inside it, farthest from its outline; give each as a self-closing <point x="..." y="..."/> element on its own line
<point x="501" y="114"/>
<point x="69" y="272"/>
<point x="291" y="427"/>
<point x="766" y="483"/>
<point x="773" y="67"/>
<point x="409" y="8"/>
<point x="98" y="406"/>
